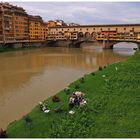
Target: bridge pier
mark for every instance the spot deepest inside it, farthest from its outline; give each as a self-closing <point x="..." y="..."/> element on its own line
<point x="107" y="44"/>
<point x="17" y="45"/>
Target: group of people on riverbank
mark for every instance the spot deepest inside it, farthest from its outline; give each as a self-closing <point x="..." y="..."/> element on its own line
<point x="76" y="99"/>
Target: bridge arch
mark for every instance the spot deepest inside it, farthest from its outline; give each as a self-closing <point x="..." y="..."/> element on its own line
<point x="111" y="44"/>
<point x="80" y="35"/>
<point x="87" y="35"/>
<point x="124" y="44"/>
<point x="94" y="35"/>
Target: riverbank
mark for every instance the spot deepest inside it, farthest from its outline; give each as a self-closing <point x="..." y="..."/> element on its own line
<point x="112" y="94"/>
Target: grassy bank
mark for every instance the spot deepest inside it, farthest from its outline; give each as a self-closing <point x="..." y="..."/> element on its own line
<point x="113" y="108"/>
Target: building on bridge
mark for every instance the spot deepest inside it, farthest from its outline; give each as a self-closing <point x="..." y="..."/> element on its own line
<point x="112" y="33"/>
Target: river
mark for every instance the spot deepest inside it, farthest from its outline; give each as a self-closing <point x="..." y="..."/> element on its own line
<point x="30" y="76"/>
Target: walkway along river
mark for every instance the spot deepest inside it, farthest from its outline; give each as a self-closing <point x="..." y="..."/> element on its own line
<point x="27" y="77"/>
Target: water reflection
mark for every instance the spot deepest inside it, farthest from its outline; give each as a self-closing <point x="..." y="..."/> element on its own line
<point x="125" y="49"/>
<point x="27" y="77"/>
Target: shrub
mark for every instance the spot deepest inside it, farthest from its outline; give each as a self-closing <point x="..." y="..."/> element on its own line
<point x="104" y="66"/>
<point x="93" y="73"/>
<point x="100" y="68"/>
<point x="67" y="90"/>
<point x="82" y="80"/>
<point x="28" y="121"/>
<point x="55" y="98"/>
<point x="77" y="86"/>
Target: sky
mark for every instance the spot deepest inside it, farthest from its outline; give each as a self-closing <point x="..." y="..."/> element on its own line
<point x="85" y="12"/>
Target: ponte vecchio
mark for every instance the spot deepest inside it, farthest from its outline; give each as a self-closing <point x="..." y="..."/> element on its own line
<point x="107" y="34"/>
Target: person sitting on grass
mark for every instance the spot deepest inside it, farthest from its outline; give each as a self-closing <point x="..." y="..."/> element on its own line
<point x="71" y="101"/>
<point x="3" y="133"/>
<point x="83" y="102"/>
<point x="44" y="108"/>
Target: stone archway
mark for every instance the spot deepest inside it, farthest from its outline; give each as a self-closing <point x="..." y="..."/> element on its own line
<point x="80" y="35"/>
<point x="133" y="44"/>
<point x="87" y="35"/>
<point x="93" y="35"/>
<point x="110" y="44"/>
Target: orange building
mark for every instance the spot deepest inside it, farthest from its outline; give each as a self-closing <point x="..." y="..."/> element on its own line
<point x="14" y="21"/>
<point x="51" y="23"/>
<point x="6" y="22"/>
<point x="20" y="23"/>
<point x="37" y="28"/>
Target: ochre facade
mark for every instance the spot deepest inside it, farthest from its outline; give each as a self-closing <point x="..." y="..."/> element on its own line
<point x="96" y="32"/>
<point x="20" y="21"/>
<point x="17" y="26"/>
<point x="37" y="29"/>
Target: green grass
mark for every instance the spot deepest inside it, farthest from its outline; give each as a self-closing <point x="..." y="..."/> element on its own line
<point x="113" y="109"/>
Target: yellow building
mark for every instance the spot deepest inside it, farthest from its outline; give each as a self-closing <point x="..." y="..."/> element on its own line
<point x="51" y="23"/>
<point x="6" y="22"/>
<point x="37" y="29"/>
<point x="44" y="31"/>
<point x="20" y="23"/>
<point x="14" y="21"/>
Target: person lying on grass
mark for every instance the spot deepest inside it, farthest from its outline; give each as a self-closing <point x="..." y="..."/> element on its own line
<point x="44" y="108"/>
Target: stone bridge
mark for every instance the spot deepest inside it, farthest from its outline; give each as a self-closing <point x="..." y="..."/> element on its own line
<point x="107" y="34"/>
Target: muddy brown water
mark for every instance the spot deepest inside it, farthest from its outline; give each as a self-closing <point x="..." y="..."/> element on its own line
<point x="30" y="76"/>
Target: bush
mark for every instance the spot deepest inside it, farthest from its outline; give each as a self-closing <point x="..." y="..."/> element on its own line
<point x="67" y="90"/>
<point x="28" y="121"/>
<point x="55" y="98"/>
<point x="100" y="68"/>
<point x="77" y="86"/>
<point x="82" y="80"/>
<point x="93" y="73"/>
